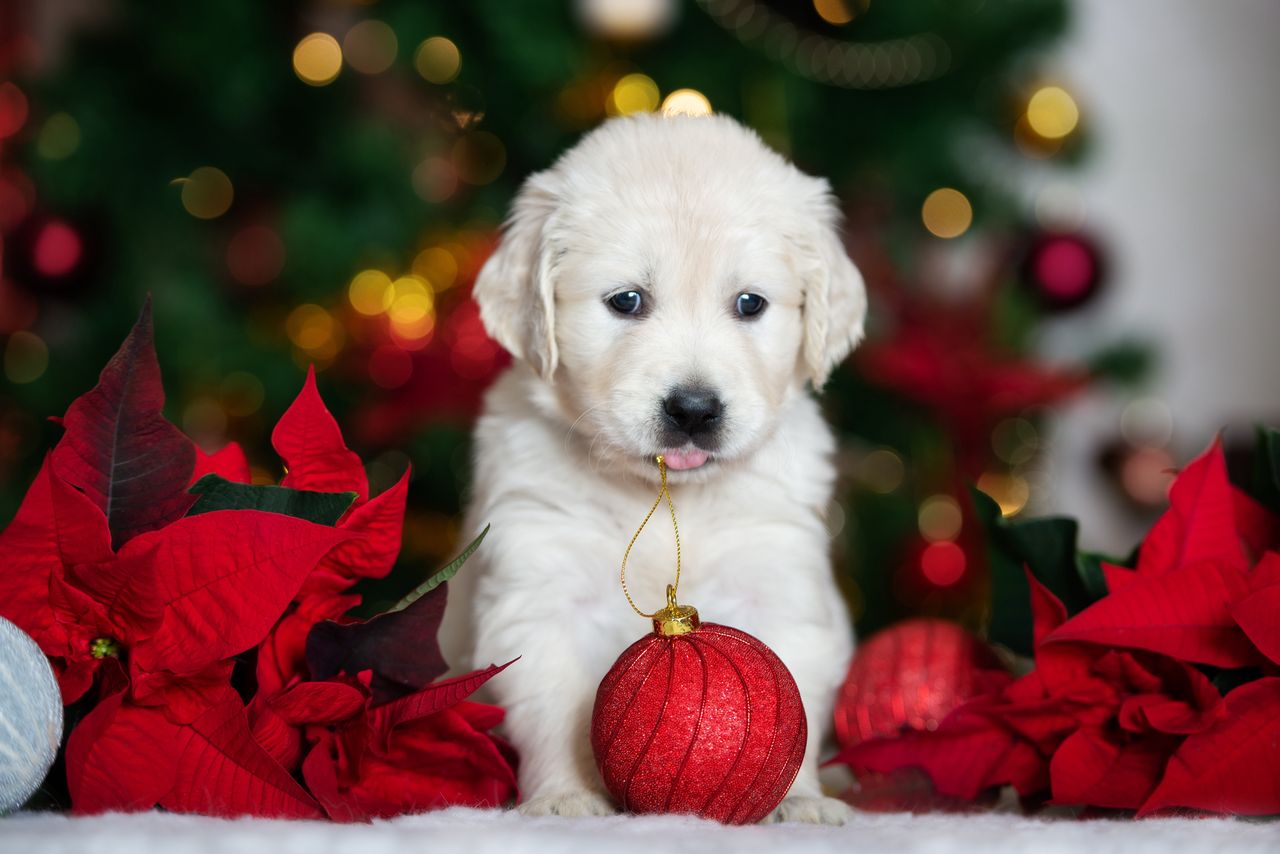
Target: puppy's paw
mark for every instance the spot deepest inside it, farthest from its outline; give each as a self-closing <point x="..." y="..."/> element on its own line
<point x="570" y="805"/>
<point x="812" y="810"/>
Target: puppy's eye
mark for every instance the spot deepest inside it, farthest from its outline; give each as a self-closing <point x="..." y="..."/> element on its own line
<point x="627" y="302"/>
<point x="750" y="305"/>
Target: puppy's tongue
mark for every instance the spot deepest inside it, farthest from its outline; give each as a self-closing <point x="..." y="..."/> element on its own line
<point x="682" y="460"/>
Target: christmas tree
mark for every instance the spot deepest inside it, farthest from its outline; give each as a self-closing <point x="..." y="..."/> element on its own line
<point x="318" y="183"/>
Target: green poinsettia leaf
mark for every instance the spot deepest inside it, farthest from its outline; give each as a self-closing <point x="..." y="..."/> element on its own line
<point x="1010" y="623"/>
<point x="217" y="493"/>
<point x="1266" y="468"/>
<point x="449" y="571"/>
<point x="1089" y="568"/>
<point x="1048" y="547"/>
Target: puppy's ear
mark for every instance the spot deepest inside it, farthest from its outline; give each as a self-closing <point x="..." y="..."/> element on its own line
<point x="514" y="289"/>
<point x="835" y="301"/>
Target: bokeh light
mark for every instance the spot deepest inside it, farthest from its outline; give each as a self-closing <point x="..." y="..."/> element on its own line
<point x="314" y="331"/>
<point x="317" y="60"/>
<point x="206" y="193"/>
<point x="438" y="60"/>
<point x="241" y="394"/>
<point x="370" y="47"/>
<point x="627" y="20"/>
<point x="59" y="137"/>
<point x="1146" y="421"/>
<point x="17" y="195"/>
<point x="838" y="12"/>
<point x="881" y="471"/>
<point x="370" y="292"/>
<point x="411" y="301"/>
<point x="205" y="421"/>
<point x="438" y="266"/>
<point x="1065" y="269"/>
<point x="939" y="518"/>
<point x="1146" y="475"/>
<point x="57" y="249"/>
<point x="946" y="213"/>
<point x="634" y="93"/>
<point x="1010" y="491"/>
<point x="1015" y="441"/>
<point x="13" y="109"/>
<point x="1052" y="112"/>
<point x="943" y="563"/>
<point x="390" y="366"/>
<point x="26" y="357"/>
<point x="479" y="157"/>
<point x="255" y="255"/>
<point x="686" y="102"/>
<point x="435" y="179"/>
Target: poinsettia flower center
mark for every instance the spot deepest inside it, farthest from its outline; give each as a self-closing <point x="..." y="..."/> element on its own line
<point x="103" y="647"/>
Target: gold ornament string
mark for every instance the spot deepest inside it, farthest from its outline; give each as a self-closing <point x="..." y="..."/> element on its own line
<point x="671" y="588"/>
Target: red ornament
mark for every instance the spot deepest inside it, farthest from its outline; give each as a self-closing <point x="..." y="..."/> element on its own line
<point x="910" y="676"/>
<point x="698" y="718"/>
<point x="1063" y="270"/>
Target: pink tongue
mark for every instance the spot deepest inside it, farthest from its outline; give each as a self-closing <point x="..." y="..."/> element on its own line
<point x="682" y="460"/>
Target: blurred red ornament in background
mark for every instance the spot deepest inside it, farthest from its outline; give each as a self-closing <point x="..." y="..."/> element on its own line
<point x="1063" y="271"/>
<point x="910" y="676"/>
<point x="57" y="249"/>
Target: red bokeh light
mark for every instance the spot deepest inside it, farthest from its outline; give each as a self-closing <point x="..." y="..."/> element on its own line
<point x="943" y="563"/>
<point x="1065" y="269"/>
<point x="390" y="366"/>
<point x="255" y="255"/>
<point x="57" y="249"/>
<point x="13" y="110"/>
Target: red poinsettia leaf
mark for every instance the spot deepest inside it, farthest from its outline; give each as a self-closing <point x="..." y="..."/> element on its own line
<point x="282" y="655"/>
<point x="1266" y="573"/>
<point x="125" y="587"/>
<point x="280" y="740"/>
<point x="318" y="703"/>
<point x="1118" y="577"/>
<point x="80" y="527"/>
<point x="1183" y="613"/>
<point x="1233" y="767"/>
<point x="1200" y="524"/>
<point x="400" y="647"/>
<point x="1047" y="611"/>
<point x="961" y="756"/>
<point x="230" y="462"/>
<point x="120" y="757"/>
<point x="373" y="553"/>
<point x="1257" y="616"/>
<point x="433" y="698"/>
<point x="1044" y="724"/>
<point x="181" y="698"/>
<point x="1094" y="769"/>
<point x="28" y="558"/>
<point x="119" y="448"/>
<point x="225" y="578"/>
<point x="310" y="442"/>
<point x="222" y="771"/>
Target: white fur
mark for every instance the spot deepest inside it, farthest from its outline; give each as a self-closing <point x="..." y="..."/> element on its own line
<point x="695" y="211"/>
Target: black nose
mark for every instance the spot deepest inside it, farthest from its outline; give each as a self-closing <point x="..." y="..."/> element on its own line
<point x="693" y="410"/>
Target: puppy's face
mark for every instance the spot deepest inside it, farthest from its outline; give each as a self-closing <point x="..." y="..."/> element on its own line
<point x="675" y="282"/>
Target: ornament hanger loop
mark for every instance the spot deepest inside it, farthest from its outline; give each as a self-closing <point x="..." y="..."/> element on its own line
<point x="671" y="588"/>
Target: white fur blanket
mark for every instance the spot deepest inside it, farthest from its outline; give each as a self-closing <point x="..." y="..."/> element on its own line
<point x="480" y="832"/>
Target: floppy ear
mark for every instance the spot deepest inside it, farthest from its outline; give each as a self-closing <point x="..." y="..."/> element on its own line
<point x="835" y="301"/>
<point x="514" y="289"/>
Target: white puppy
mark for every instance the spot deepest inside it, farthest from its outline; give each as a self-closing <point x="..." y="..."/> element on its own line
<point x="669" y="286"/>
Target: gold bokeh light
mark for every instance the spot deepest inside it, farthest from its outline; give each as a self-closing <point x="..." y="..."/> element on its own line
<point x="438" y="60"/>
<point x="207" y="192"/>
<point x="635" y="93"/>
<point x="946" y="213"/>
<point x="370" y="292"/>
<point x="1052" y="112"/>
<point x="686" y="102"/>
<point x="317" y="59"/>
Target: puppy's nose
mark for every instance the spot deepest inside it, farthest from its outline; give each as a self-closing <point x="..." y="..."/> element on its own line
<point x="693" y="410"/>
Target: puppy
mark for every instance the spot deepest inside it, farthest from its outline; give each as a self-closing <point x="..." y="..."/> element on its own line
<point x="672" y="286"/>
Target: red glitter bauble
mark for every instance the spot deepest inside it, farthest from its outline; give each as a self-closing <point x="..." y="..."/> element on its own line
<point x="910" y="676"/>
<point x="708" y="722"/>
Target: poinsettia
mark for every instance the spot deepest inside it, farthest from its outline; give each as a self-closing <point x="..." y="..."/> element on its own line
<point x="144" y="568"/>
<point x="1118" y="711"/>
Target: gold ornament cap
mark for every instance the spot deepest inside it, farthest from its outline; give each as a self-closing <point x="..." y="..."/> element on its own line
<point x="674" y="619"/>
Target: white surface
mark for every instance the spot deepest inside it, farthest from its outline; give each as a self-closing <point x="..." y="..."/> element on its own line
<point x="1184" y="185"/>
<point x="478" y="832"/>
